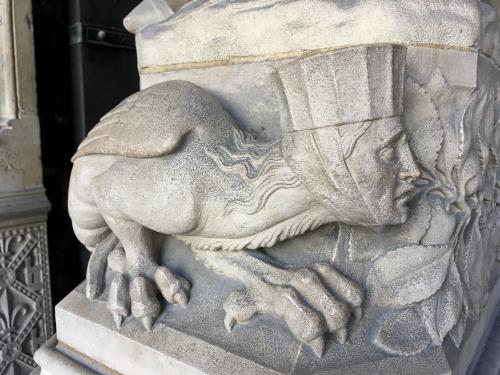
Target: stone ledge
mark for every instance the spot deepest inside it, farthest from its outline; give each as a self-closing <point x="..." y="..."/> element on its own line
<point x="81" y="325"/>
<point x="190" y="37"/>
<point x="23" y="203"/>
<point x="52" y="361"/>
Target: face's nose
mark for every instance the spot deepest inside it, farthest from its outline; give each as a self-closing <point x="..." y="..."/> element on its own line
<point x="409" y="170"/>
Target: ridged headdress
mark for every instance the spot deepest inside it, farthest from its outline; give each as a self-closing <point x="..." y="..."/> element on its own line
<point x="344" y="86"/>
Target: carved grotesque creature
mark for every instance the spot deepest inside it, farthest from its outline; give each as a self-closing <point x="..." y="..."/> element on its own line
<point x="170" y="159"/>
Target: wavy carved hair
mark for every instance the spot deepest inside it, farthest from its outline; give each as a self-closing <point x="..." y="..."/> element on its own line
<point x="263" y="165"/>
<point x="258" y="162"/>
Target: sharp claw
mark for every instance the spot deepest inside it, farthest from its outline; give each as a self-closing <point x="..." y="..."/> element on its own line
<point x="185" y="284"/>
<point x="119" y="299"/>
<point x="229" y="322"/>
<point x="118" y="320"/>
<point x="148" y="322"/>
<point x="341" y="335"/>
<point x="117" y="261"/>
<point x="144" y="301"/>
<point x="181" y="299"/>
<point x="318" y="346"/>
<point x="357" y="312"/>
<point x="172" y="285"/>
<point x="92" y="291"/>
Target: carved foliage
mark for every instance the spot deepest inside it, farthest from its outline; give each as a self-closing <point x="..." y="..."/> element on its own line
<point x="436" y="282"/>
<point x="407" y="275"/>
<point x="402" y="322"/>
<point x="441" y="311"/>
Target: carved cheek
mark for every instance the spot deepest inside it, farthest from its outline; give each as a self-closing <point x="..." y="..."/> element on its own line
<point x="370" y="172"/>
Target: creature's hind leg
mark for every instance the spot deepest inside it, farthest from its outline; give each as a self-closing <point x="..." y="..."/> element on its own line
<point x="96" y="268"/>
<point x="137" y="275"/>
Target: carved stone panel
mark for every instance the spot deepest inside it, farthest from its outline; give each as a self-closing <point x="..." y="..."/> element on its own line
<point x="25" y="305"/>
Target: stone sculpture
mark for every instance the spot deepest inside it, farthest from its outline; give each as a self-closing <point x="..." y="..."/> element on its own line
<point x="343" y="174"/>
<point x="170" y="159"/>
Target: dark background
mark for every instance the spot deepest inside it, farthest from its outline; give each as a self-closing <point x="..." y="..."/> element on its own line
<point x="79" y="79"/>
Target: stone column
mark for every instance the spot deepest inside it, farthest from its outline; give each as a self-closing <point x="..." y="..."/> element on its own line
<point x="25" y="302"/>
<point x="8" y="108"/>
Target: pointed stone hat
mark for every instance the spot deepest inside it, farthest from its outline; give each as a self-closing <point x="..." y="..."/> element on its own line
<point x="344" y="86"/>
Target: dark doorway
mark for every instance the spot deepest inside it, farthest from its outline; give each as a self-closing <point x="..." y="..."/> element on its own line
<point x="79" y="79"/>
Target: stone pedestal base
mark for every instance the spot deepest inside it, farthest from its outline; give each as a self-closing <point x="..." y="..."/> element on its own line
<point x="88" y="343"/>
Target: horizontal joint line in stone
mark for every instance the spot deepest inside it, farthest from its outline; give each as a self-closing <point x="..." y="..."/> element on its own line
<point x="235" y="60"/>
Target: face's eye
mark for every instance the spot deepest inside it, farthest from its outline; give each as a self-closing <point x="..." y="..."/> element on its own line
<point x="388" y="153"/>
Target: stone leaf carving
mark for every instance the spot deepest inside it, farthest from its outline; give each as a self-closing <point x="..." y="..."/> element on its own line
<point x="456" y="334"/>
<point x="463" y="176"/>
<point x="441" y="311"/>
<point x="459" y="164"/>
<point x="423" y="125"/>
<point x="411" y="330"/>
<point x="402" y="333"/>
<point x="407" y="275"/>
<point x="466" y="187"/>
<point x="442" y="223"/>
<point x="366" y="243"/>
<point x="444" y="98"/>
<point x="475" y="262"/>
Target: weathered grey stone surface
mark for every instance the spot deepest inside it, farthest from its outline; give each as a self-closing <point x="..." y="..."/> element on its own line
<point x="328" y="196"/>
<point x="290" y="28"/>
<point x="287" y="29"/>
<point x="81" y="324"/>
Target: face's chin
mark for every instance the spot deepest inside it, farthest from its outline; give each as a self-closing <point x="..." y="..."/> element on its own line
<point x="393" y="209"/>
<point x="396" y="215"/>
<point x="400" y="215"/>
<point x="399" y="212"/>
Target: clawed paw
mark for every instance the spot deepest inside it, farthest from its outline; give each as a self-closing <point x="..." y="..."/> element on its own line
<point x="136" y="292"/>
<point x="312" y="301"/>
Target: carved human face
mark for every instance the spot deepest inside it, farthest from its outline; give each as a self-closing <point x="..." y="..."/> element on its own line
<point x="384" y="171"/>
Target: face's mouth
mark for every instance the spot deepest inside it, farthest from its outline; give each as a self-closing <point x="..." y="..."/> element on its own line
<point x="404" y="193"/>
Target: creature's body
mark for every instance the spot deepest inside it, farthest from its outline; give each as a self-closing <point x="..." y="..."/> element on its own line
<point x="171" y="160"/>
<point x="185" y="193"/>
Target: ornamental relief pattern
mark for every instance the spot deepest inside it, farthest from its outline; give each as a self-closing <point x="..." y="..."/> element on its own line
<point x="25" y="306"/>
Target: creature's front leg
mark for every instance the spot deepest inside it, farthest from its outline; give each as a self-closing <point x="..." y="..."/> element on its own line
<point x="312" y="300"/>
<point x="136" y="275"/>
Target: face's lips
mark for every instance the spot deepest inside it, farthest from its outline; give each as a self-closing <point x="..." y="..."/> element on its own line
<point x="405" y="192"/>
